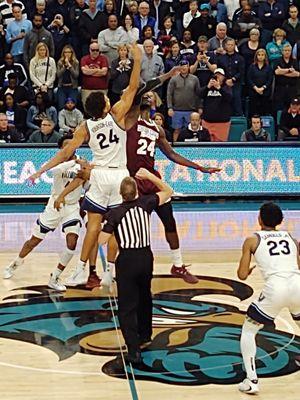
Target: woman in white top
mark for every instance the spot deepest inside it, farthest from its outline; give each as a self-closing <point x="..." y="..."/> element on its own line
<point x="42" y="70"/>
<point x="131" y="31"/>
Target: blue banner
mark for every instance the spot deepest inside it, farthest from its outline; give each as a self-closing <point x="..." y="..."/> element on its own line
<point x="246" y="170"/>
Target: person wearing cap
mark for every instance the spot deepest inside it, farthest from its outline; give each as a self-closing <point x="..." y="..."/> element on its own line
<point x="183" y="97"/>
<point x="289" y="125"/>
<point x="69" y="117"/>
<point x="205" y="64"/>
<point x="194" y="13"/>
<point x="205" y="25"/>
<point x="217" y="108"/>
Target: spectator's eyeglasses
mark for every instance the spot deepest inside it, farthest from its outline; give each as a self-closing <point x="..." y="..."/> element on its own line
<point x="94" y="50"/>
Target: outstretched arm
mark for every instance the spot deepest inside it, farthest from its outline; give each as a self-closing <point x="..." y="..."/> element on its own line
<point x="68" y="189"/>
<point x="244" y="269"/>
<point x="169" y="152"/>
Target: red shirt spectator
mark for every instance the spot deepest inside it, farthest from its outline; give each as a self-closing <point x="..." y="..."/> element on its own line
<point x="94" y="67"/>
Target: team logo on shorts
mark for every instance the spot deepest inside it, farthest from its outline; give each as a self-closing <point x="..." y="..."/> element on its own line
<point x="196" y="330"/>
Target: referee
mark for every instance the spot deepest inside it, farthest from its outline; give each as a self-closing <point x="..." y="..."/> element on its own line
<point x="130" y="222"/>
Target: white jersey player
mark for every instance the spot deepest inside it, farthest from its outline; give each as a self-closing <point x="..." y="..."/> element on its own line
<point x="277" y="256"/>
<point x="105" y="134"/>
<point x="68" y="217"/>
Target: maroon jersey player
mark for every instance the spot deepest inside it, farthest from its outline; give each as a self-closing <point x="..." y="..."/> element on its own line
<point x="143" y="135"/>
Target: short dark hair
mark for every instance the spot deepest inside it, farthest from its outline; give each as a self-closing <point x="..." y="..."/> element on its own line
<point x="66" y="136"/>
<point x="271" y="214"/>
<point x="256" y="116"/>
<point x="12" y="75"/>
<point x="95" y="104"/>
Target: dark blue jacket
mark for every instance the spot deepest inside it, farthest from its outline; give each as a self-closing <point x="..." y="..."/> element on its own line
<point x="233" y="65"/>
<point x="137" y="23"/>
<point x="273" y="21"/>
<point x="261" y="77"/>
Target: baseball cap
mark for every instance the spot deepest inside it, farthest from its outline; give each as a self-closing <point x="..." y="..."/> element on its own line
<point x="184" y="62"/>
<point x="202" y="38"/>
<point x="219" y="71"/>
<point x="295" y="101"/>
<point x="204" y="6"/>
<point x="70" y="99"/>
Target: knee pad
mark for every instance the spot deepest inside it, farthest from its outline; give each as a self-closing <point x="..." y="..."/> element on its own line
<point x="66" y="257"/>
<point x="72" y="227"/>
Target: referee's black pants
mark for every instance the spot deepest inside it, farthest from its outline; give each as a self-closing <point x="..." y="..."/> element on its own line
<point x="134" y="269"/>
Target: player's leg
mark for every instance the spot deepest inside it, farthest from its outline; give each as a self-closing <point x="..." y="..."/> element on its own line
<point x="112" y="251"/>
<point x="93" y="279"/>
<point x="165" y="214"/>
<point x="294" y="306"/>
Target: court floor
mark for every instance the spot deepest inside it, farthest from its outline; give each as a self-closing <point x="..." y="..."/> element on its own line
<point x="68" y="346"/>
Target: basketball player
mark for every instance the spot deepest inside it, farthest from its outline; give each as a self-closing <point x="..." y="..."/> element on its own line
<point x="50" y="219"/>
<point x="105" y="134"/>
<point x="143" y="135"/>
<point x="277" y="256"/>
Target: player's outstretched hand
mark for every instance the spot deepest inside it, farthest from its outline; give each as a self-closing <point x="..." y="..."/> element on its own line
<point x="142" y="174"/>
<point x="59" y="203"/>
<point x="175" y="70"/>
<point x="32" y="178"/>
<point x="210" y="170"/>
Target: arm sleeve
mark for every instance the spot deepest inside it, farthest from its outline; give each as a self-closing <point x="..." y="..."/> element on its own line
<point x="62" y="168"/>
<point x="150" y="202"/>
<point x="109" y="225"/>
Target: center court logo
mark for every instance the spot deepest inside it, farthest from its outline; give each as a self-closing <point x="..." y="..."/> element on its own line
<point x="195" y="342"/>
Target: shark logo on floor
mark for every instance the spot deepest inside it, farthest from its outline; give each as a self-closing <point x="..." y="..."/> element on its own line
<point x="195" y="341"/>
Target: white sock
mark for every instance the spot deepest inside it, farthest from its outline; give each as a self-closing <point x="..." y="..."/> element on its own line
<point x="110" y="267"/>
<point x="19" y="260"/>
<point x="81" y="264"/>
<point x="176" y="258"/>
<point x="248" y="348"/>
<point x="56" y="273"/>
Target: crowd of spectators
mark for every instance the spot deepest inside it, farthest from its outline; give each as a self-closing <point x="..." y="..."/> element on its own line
<point x="236" y="57"/>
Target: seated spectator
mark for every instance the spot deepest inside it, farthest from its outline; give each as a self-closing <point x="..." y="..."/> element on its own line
<point x="206" y="62"/>
<point x="131" y="31"/>
<point x="159" y="9"/>
<point x="20" y="93"/>
<point x="70" y="117"/>
<point x="46" y="133"/>
<point x="188" y="46"/>
<point x="60" y="33"/>
<point x="3" y="44"/>
<point x="245" y="23"/>
<point x="42" y="70"/>
<point x="120" y="72"/>
<point x="143" y="18"/>
<point x="260" y="78"/>
<point x="152" y="64"/>
<point x="194" y="13"/>
<point x="109" y="8"/>
<point x="159" y="119"/>
<point x="16" y="115"/>
<point x="286" y="78"/>
<point x="205" y="25"/>
<point x="292" y="26"/>
<point x="9" y="67"/>
<point x="289" y="125"/>
<point x="217" y="42"/>
<point x="274" y="48"/>
<point x="173" y="57"/>
<point x="194" y="132"/>
<point x="218" y="11"/>
<point x="9" y="134"/>
<point x="67" y="74"/>
<point x="256" y="133"/>
<point x="148" y="34"/>
<point x="133" y="8"/>
<point x="248" y="48"/>
<point x="41" y="109"/>
<point x="167" y="35"/>
<point x="217" y="107"/>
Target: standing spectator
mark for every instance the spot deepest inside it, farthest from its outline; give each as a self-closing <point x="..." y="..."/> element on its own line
<point x="46" y="133"/>
<point x="60" y="33"/>
<point x="248" y="49"/>
<point x="194" y="13"/>
<point x="8" y="134"/>
<point x="188" y="46"/>
<point x="218" y="11"/>
<point x="289" y="126"/>
<point x="3" y="46"/>
<point x="38" y="111"/>
<point x="75" y="13"/>
<point x="131" y="31"/>
<point x="61" y="7"/>
<point x="167" y="35"/>
<point x="271" y="13"/>
<point x="16" y="31"/>
<point x="16" y="115"/>
<point x="94" y="68"/>
<point x="37" y="35"/>
<point x="205" y="64"/>
<point x="232" y="6"/>
<point x="274" y="48"/>
<point x="133" y="8"/>
<point x="111" y="38"/>
<point x="260" y="79"/>
<point x="6" y="11"/>
<point x="9" y="67"/>
<point x="143" y="18"/>
<point x="238" y="11"/>
<point x="109" y="8"/>
<point x="217" y="107"/>
<point x="42" y="9"/>
<point x="183" y="97"/>
<point x="69" y="117"/>
<point x="152" y="64"/>
<point x="286" y="78"/>
<point x="67" y="74"/>
<point x="91" y="22"/>
<point x="120" y="73"/>
<point x="245" y="23"/>
<point x="42" y="70"/>
<point x="256" y="133"/>
<point x="292" y="26"/>
<point x="20" y="93"/>
<point x="194" y="132"/>
<point x="159" y="10"/>
<point x="205" y="25"/>
<point x="217" y="42"/>
<point x="173" y="58"/>
<point x="234" y="66"/>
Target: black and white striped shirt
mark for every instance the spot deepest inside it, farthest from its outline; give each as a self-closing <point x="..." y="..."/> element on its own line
<point x="131" y="222"/>
<point x="6" y="11"/>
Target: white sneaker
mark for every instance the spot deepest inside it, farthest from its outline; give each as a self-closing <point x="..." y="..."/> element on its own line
<point x="78" y="277"/>
<point x="248" y="386"/>
<point x="55" y="284"/>
<point x="107" y="279"/>
<point x="10" y="269"/>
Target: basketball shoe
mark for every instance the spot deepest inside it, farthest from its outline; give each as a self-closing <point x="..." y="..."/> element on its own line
<point x="93" y="281"/>
<point x="78" y="277"/>
<point x="248" y="386"/>
<point x="55" y="284"/>
<point x="10" y="269"/>
<point x="182" y="272"/>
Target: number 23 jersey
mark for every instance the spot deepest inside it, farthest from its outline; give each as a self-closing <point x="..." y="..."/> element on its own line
<point x="141" y="141"/>
<point x="276" y="253"/>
